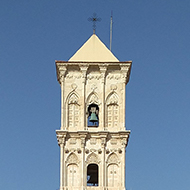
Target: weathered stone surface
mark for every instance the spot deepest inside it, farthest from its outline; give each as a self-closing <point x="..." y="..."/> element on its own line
<point x="85" y="84"/>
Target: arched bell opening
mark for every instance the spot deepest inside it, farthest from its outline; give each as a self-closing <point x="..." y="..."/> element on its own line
<point x="93" y="119"/>
<point x="92" y="175"/>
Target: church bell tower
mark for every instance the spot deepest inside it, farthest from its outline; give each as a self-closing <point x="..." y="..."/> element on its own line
<point x="93" y="135"/>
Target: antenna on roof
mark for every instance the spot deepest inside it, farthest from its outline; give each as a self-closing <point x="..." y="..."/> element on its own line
<point x="111" y="23"/>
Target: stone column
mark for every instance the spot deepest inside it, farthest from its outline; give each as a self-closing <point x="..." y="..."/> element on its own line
<point x="84" y="70"/>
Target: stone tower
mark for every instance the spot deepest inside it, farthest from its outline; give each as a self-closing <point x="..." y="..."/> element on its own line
<point x="92" y="137"/>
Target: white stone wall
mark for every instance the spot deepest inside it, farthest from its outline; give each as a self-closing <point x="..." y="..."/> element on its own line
<point x="102" y="84"/>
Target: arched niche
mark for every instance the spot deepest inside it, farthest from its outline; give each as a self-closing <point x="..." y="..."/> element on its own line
<point x="72" y="170"/>
<point x="92" y="110"/>
<point x="73" y="111"/>
<point x="113" y="171"/>
<point x="92" y="169"/>
<point x="112" y="111"/>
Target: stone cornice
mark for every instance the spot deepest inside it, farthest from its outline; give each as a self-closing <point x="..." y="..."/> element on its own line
<point x="61" y="67"/>
<point x="100" y="134"/>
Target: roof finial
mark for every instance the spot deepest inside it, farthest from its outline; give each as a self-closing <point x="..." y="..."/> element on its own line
<point x="94" y="19"/>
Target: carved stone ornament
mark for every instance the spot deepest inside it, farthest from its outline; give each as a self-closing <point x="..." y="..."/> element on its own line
<point x="79" y="150"/>
<point x="124" y="142"/>
<point x="92" y="158"/>
<point x="72" y="141"/>
<point x="67" y="150"/>
<point x="113" y="141"/>
<point x="72" y="159"/>
<point x="73" y="86"/>
<point x="107" y="151"/>
<point x="113" y="99"/>
<point x="113" y="158"/>
<point x="94" y="87"/>
<point x="74" y="76"/>
<point x="93" y="99"/>
<point x="73" y="99"/>
<point x="103" y="141"/>
<point x="99" y="151"/>
<point x="60" y="139"/>
<point x="87" y="151"/>
<point x="111" y="76"/>
<point x="113" y="87"/>
<point x="93" y="141"/>
<point x="120" y="151"/>
<point x="94" y="76"/>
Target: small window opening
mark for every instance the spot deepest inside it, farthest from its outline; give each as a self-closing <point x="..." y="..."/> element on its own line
<point x="93" y="119"/>
<point x="92" y="175"/>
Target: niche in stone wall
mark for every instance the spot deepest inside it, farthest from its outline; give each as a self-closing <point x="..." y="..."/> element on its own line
<point x="113" y="171"/>
<point x="72" y="170"/>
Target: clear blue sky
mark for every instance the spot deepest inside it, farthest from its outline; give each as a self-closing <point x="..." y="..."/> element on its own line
<point x="155" y="34"/>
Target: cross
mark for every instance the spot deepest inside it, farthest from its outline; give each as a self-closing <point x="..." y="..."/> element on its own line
<point x="94" y="19"/>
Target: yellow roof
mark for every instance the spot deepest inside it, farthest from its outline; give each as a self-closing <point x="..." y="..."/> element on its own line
<point x="94" y="50"/>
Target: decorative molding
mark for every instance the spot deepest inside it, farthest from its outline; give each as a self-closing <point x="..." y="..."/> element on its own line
<point x="112" y="99"/>
<point x="113" y="141"/>
<point x="87" y="151"/>
<point x="73" y="99"/>
<point x="94" y="76"/>
<point x="113" y="159"/>
<point x="111" y="76"/>
<point x="72" y="159"/>
<point x="93" y="141"/>
<point x="74" y="86"/>
<point x="74" y="75"/>
<point x="72" y="141"/>
<point x="92" y="158"/>
<point x="93" y="98"/>
<point x="113" y="87"/>
<point x="61" y="139"/>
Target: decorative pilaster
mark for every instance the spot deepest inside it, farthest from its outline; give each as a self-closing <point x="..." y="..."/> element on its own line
<point x="103" y="69"/>
<point x="61" y="143"/>
<point x="124" y="72"/>
<point x="62" y="71"/>
<point x="124" y="140"/>
<point x="83" y="166"/>
<point x="84" y="69"/>
<point x="103" y="137"/>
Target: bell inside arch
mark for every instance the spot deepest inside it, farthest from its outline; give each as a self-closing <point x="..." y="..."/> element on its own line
<point x="93" y="117"/>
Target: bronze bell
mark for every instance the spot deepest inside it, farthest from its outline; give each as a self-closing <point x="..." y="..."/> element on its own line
<point x="93" y="117"/>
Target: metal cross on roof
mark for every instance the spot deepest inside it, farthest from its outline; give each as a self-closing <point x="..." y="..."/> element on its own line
<point x="94" y="19"/>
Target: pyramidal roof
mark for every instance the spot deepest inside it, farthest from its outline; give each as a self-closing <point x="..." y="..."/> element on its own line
<point x="94" y="50"/>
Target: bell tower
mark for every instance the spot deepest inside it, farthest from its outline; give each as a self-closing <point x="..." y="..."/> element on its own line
<point x="93" y="136"/>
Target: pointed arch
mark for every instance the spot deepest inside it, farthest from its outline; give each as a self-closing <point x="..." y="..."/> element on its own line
<point x="73" y="110"/>
<point x="112" y="98"/>
<point x="112" y="111"/>
<point x="92" y="159"/>
<point x="113" y="159"/>
<point x="72" y="98"/>
<point x="92" y="98"/>
<point x="72" y="159"/>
